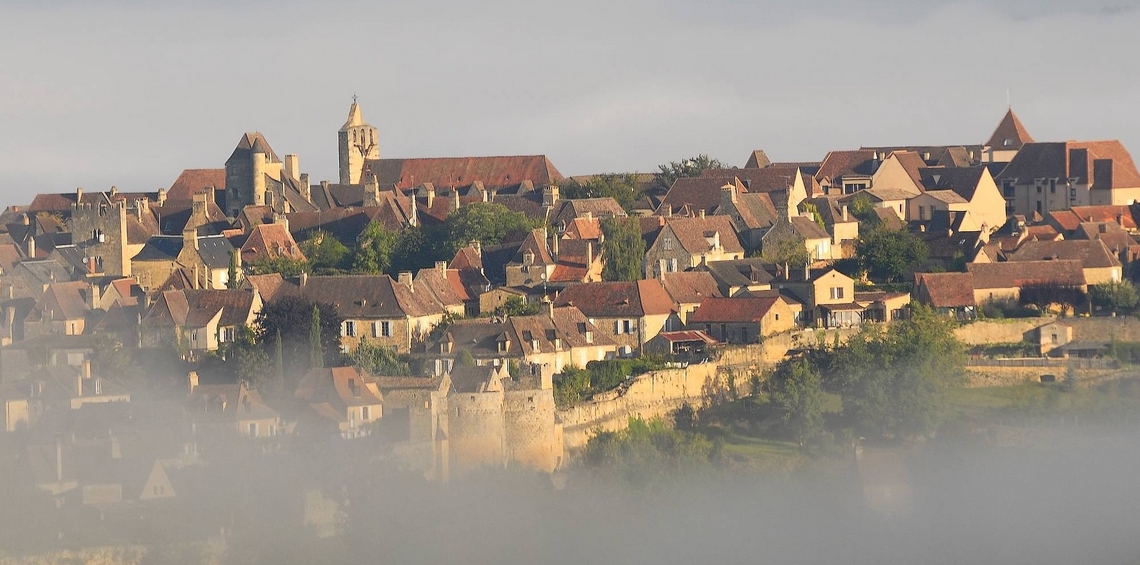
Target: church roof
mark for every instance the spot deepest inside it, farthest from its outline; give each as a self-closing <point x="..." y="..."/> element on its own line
<point x="354" y="117"/>
<point x="253" y="142"/>
<point x="1010" y="133"/>
<point x="446" y="172"/>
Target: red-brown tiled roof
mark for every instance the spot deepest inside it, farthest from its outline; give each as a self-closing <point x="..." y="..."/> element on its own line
<point x="617" y="299"/>
<point x="447" y="172"/>
<point x="945" y="290"/>
<point x="1017" y="274"/>
<point x="270" y="241"/>
<point x="1121" y="214"/>
<point x="192" y="181"/>
<point x="1010" y="133"/>
<point x="744" y="309"/>
<point x="690" y="287"/>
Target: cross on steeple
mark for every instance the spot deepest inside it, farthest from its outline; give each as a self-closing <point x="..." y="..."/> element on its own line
<point x="354" y="98"/>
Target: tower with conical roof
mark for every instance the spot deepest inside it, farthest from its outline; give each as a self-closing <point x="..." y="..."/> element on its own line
<point x="1009" y="137"/>
<point x="357" y="142"/>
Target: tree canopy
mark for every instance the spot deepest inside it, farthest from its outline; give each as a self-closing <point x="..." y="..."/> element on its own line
<point x="685" y="168"/>
<point x="622" y="187"/>
<point x="799" y="393"/>
<point x="292" y="317"/>
<point x="887" y="255"/>
<point x="791" y="251"/>
<point x="325" y="253"/>
<point x="623" y="248"/>
<point x="1116" y="296"/>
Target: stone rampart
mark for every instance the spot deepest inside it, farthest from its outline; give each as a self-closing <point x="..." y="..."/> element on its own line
<point x="647" y="396"/>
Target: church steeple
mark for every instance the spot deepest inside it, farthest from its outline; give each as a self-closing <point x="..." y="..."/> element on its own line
<point x="357" y="143"/>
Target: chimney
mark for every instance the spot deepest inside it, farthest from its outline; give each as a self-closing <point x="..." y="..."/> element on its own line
<point x="429" y="189"/>
<point x="79" y="384"/>
<point x="306" y="189"/>
<point x="405" y="278"/>
<point x="727" y="195"/>
<point x="589" y="254"/>
<point x="478" y="247"/>
<point x="1120" y="220"/>
<point x="702" y="213"/>
<point x="441" y="266"/>
<point x="922" y="228"/>
<point x="293" y="166"/>
<point x="161" y="196"/>
<point x="114" y="190"/>
<point x="281" y="219"/>
<point x="844" y="212"/>
<point x="192" y="378"/>
<point x="550" y="196"/>
<point x="554" y="244"/>
<point x="304" y="278"/>
<point x="79" y="195"/>
<point x="549" y="307"/>
<point x="455" y="194"/>
<point x="807" y="271"/>
<point x="190" y="237"/>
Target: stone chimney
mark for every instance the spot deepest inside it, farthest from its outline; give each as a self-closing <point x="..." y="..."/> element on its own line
<point x="371" y="191"/>
<point x="306" y="188"/>
<point x="190" y="237"/>
<point x="701" y="213"/>
<point x="441" y="266"/>
<point x="293" y="166"/>
<point x="79" y="195"/>
<point x="405" y="278"/>
<point x="304" y="278"/>
<point x="589" y="254"/>
<point x="161" y="196"/>
<point x="807" y="271"/>
<point x="429" y="189"/>
<point x="192" y="379"/>
<point x="845" y="213"/>
<point x="455" y="196"/>
<point x="477" y="246"/>
<point x="554" y="245"/>
<point x="281" y="219"/>
<point x="550" y="196"/>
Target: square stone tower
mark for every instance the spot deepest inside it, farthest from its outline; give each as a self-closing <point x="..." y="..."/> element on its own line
<point x="356" y="142"/>
<point x="100" y="231"/>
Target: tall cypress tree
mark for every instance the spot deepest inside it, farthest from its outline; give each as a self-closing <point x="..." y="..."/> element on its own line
<point x="316" y="354"/>
<point x="279" y="361"/>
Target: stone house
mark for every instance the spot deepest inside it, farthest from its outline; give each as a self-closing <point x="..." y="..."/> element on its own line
<point x="1043" y="177"/>
<point x="1008" y="138"/>
<point x="970" y="190"/>
<point x="949" y="294"/>
<point x="740" y="276"/>
<point x="745" y="319"/>
<point x="1099" y="263"/>
<point x="62" y="310"/>
<point x="205" y="258"/>
<point x="228" y="410"/>
<point x="828" y="296"/>
<point x="344" y="399"/>
<point x="198" y="320"/>
<point x="269" y="242"/>
<point x="629" y="313"/>
<point x="689" y="289"/>
<point x="1004" y="280"/>
<point x="686" y="243"/>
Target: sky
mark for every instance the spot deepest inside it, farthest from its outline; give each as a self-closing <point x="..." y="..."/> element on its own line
<point x="127" y="93"/>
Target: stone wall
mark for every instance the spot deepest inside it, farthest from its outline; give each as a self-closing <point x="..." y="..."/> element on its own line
<point x="981" y="377"/>
<point x="1120" y="328"/>
<point x="774" y="348"/>
<point x="647" y="396"/>
<point x="533" y="436"/>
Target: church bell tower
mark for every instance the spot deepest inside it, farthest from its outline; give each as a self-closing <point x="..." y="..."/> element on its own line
<point x="357" y="143"/>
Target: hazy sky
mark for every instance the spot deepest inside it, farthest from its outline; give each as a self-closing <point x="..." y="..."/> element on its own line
<point x="97" y="93"/>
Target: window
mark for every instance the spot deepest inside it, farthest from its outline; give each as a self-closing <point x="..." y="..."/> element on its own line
<point x="1007" y="188"/>
<point x="1038" y="204"/>
<point x="226" y="335"/>
<point x="921" y="213"/>
<point x="673" y="265"/>
<point x="385" y="329"/>
<point x="667" y="243"/>
<point x="365" y="413"/>
<point x="1052" y="186"/>
<point x="626" y="326"/>
<point x="1038" y="189"/>
<point x="349" y="328"/>
<point x="837" y="293"/>
<point x="253" y="429"/>
<point x="1072" y="194"/>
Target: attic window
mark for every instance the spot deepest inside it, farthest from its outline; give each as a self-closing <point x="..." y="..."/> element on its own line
<point x="1008" y="142"/>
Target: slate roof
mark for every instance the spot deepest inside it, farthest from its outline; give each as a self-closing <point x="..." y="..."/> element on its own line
<point x="215" y="251"/>
<point x="740" y="273"/>
<point x="494" y="172"/>
<point x="161" y="248"/>
<point x="773" y="178"/>
<point x="567" y="210"/>
<point x="841" y="163"/>
<point x="962" y="180"/>
<point x="474" y="379"/>
<point x="807" y="228"/>
<point x="1113" y="236"/>
<point x="617" y="299"/>
<point x="248" y="144"/>
<point x="736" y="310"/>
<point x="235" y="305"/>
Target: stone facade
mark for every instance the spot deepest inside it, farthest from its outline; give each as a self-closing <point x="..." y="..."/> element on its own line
<point x="356" y="143"/>
<point x="100" y="230"/>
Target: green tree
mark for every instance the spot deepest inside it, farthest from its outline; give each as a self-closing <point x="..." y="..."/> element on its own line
<point x="886" y="255"/>
<point x="325" y="253"/>
<point x="316" y="349"/>
<point x="799" y="394"/>
<point x="374" y="249"/>
<point x="464" y="359"/>
<point x="232" y="272"/>
<point x="378" y="360"/>
<point x="894" y="382"/>
<point x="251" y="360"/>
<point x="622" y="187"/>
<point x="1116" y="296"/>
<point x="515" y="306"/>
<point x="686" y="168"/>
<point x="486" y="222"/>
<point x="623" y="248"/>
<point x="286" y="266"/>
<point x="791" y="251"/>
<point x="1042" y="296"/>
<point x="292" y="317"/>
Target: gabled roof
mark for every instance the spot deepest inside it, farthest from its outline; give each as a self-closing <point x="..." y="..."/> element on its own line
<point x="773" y="178"/>
<point x="215" y="251"/>
<point x="1101" y="164"/>
<point x="160" y="248"/>
<point x="62" y="301"/>
<point x="694" y="233"/>
<point x="740" y="273"/>
<point x="758" y="159"/>
<point x="1092" y="253"/>
<point x="340" y="387"/>
<point x="945" y="290"/>
<point x="1113" y="236"/>
<point x="1010" y="133"/>
<point x="807" y="228"/>
<point x="446" y="172"/>
<point x="962" y="180"/>
<point x="270" y="241"/>
<point x="690" y="287"/>
<point x="841" y="163"/>
<point x="192" y="181"/>
<point x="598" y="208"/>
<point x="696" y="194"/>
<point x="236" y="306"/>
<point x="617" y="299"/>
<point x="744" y="309"/>
<point x="1017" y="274"/>
<point x="1121" y="214"/>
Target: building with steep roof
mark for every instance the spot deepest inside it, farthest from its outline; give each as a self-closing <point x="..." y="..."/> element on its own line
<point x="1099" y="263"/>
<point x="1004" y="280"/>
<point x="948" y="293"/>
<point x="228" y="410"/>
<point x="745" y="319"/>
<point x="686" y="243"/>
<point x="1008" y="138"/>
<point x="688" y="289"/>
<point x="629" y="313"/>
<point x="1044" y="177"/>
<point x="256" y="176"/>
<point x="357" y="142"/>
<point x="970" y="190"/>
<point x="343" y="400"/>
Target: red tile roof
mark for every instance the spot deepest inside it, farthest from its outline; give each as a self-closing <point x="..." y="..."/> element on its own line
<point x="690" y="287"/>
<point x="1101" y="164"/>
<point x="1016" y="274"/>
<point x="744" y="309"/>
<point x="270" y="241"/>
<point x="945" y="290"/>
<point x="617" y="299"/>
<point x="446" y="172"/>
<point x="192" y="181"/>
<point x="1092" y="253"/>
<point x="1010" y="133"/>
